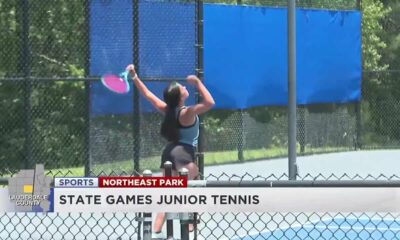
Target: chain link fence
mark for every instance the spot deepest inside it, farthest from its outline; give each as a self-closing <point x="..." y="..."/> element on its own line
<point x="235" y="225"/>
<point x="380" y="109"/>
<point x="68" y="226"/>
<point x="46" y="118"/>
<point x="43" y="58"/>
<point x="46" y="95"/>
<point x="49" y="126"/>
<point x="217" y="226"/>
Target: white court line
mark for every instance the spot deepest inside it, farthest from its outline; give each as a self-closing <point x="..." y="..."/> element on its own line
<point x="381" y="229"/>
<point x="316" y="226"/>
<point x="252" y="233"/>
<point x="373" y="218"/>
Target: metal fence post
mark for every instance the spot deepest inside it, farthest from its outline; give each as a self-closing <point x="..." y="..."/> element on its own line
<point x="241" y="132"/>
<point x="26" y="65"/>
<point x="170" y="222"/>
<point x="184" y="217"/>
<point x="200" y="73"/>
<point x="358" y="140"/>
<point x="87" y="91"/>
<point x="147" y="218"/>
<point x="292" y="102"/>
<point x="358" y="4"/>
<point x="136" y="96"/>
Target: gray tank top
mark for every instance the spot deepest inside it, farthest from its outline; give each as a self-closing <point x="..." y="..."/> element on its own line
<point x="188" y="134"/>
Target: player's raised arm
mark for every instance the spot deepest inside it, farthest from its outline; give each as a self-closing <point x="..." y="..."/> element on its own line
<point x="207" y="100"/>
<point x="150" y="96"/>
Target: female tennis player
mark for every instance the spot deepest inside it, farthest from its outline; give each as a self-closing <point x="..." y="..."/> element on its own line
<point x="180" y="126"/>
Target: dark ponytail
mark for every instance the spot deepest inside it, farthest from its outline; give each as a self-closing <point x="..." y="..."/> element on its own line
<point x="169" y="126"/>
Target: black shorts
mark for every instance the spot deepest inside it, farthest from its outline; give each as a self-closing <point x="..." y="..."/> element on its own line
<point x="179" y="154"/>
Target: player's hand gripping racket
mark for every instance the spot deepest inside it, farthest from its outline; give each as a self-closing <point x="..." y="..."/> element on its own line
<point x="117" y="83"/>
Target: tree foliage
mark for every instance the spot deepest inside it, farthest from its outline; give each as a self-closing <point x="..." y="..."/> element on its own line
<point x="58" y="40"/>
<point x="391" y="31"/>
<point x="372" y="32"/>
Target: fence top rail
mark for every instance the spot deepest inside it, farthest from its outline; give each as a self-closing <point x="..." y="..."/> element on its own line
<point x="89" y="78"/>
<point x="144" y="78"/>
<point x="295" y="183"/>
<point x="281" y="183"/>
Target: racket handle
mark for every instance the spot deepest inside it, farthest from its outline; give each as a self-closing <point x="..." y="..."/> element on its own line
<point x="131" y="67"/>
<point x="126" y="76"/>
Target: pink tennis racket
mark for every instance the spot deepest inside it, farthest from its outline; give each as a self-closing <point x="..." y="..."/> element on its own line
<point x="118" y="84"/>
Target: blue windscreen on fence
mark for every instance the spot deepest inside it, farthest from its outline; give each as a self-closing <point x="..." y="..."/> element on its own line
<point x="245" y="52"/>
<point x="246" y="56"/>
<point x="111" y="49"/>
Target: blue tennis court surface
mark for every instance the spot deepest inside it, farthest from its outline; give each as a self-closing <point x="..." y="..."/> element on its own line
<point x="336" y="228"/>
